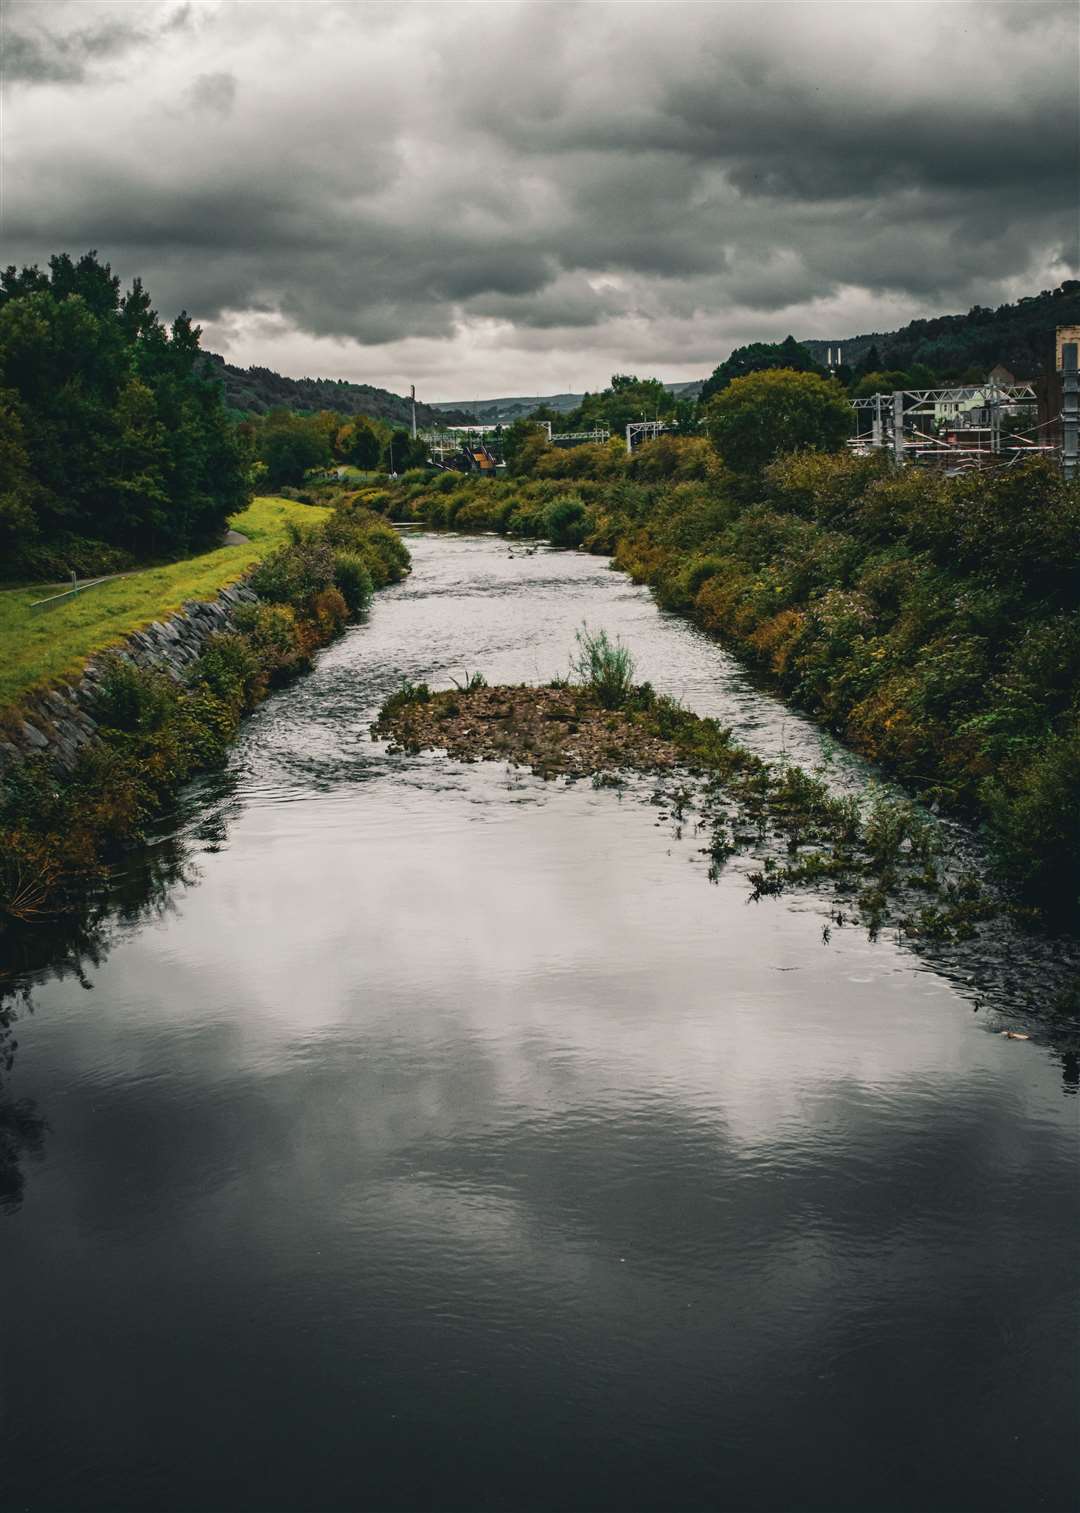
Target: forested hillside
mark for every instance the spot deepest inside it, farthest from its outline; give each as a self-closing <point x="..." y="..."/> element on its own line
<point x="1018" y="336"/>
<point x="257" y="391"/>
<point x="946" y="348"/>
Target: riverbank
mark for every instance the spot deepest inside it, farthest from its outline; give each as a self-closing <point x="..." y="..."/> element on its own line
<point x="931" y="623"/>
<point x="52" y="644"/>
<point x="553" y="1130"/>
<point x="84" y="781"/>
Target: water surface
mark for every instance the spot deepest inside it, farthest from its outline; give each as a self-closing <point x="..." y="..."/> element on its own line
<point x="449" y="1142"/>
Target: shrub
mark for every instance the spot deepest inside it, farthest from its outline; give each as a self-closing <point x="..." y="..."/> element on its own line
<point x="271" y="630"/>
<point x="758" y="417"/>
<point x="232" y="669"/>
<point x="356" y="529"/>
<point x="294" y="574"/>
<point x="1035" y="825"/>
<point x="564" y="520"/>
<point x="130" y="698"/>
<point x="330" y="612"/>
<point x="353" y="580"/>
<point x="605" y="667"/>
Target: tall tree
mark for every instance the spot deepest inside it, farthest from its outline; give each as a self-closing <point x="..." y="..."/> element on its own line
<point x="126" y="442"/>
<point x="759" y="357"/>
<point x="766" y="413"/>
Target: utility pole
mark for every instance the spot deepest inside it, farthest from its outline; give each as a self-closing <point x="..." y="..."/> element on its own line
<point x="1070" y="410"/>
<point x="412" y="393"/>
<point x="898" y="425"/>
<point x="995" y="418"/>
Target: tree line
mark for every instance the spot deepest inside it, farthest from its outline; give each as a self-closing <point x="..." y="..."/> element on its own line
<point x="113" y="446"/>
<point x="258" y="391"/>
<point x="116" y="442"/>
<point x="286" y="447"/>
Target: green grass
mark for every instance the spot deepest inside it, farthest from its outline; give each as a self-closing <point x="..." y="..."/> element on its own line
<point x="48" y="645"/>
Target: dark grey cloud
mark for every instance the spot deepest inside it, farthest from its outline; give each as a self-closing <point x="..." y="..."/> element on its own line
<point x="40" y="54"/>
<point x="214" y="92"/>
<point x="516" y="179"/>
<point x="44" y="57"/>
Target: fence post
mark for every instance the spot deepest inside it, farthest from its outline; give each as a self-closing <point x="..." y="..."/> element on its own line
<point x="1070" y="410"/>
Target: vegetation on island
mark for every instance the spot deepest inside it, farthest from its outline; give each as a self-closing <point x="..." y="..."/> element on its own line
<point x="932" y="622"/>
<point x="881" y="861"/>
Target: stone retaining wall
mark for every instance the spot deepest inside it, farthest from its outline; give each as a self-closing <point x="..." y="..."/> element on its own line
<point x="59" y="722"/>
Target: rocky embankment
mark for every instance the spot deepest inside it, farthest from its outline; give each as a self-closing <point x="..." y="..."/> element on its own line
<point x="58" y="722"/>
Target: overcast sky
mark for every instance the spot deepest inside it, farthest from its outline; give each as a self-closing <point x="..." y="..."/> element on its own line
<point x="523" y="198"/>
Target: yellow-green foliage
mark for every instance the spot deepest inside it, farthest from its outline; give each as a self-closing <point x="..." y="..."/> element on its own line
<point x="934" y="622"/>
<point x="360" y="532"/>
<point x="46" y="645"/>
<point x="155" y="732"/>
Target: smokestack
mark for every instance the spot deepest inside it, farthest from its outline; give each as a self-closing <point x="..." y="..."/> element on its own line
<point x="412" y="396"/>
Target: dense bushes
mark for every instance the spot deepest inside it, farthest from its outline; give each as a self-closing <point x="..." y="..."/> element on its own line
<point x="754" y="419"/>
<point x="364" y="534"/>
<point x="933" y="622"/>
<point x="155" y="732"/>
<point x="354" y="580"/>
<point x="565" y="520"/>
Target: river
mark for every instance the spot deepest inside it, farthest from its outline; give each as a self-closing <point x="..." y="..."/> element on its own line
<point x="442" y="1139"/>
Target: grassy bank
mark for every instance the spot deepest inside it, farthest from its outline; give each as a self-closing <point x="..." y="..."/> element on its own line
<point x="47" y="645"/>
<point x="933" y="623"/>
<point x="58" y="834"/>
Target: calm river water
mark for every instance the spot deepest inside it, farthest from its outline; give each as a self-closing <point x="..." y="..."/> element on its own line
<point x="446" y="1141"/>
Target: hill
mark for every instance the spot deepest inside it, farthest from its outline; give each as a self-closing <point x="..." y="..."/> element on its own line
<point x="1019" y="336"/>
<point x="487" y="411"/>
<point x="255" y="391"/>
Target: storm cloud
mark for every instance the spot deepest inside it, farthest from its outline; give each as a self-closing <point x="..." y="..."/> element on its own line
<point x="521" y="196"/>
